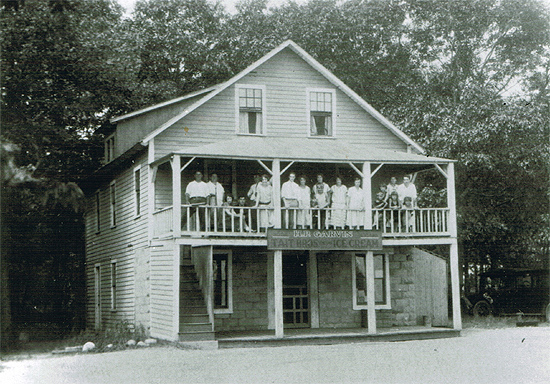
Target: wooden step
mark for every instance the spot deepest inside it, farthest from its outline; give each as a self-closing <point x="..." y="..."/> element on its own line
<point x="195" y="327"/>
<point x="196" y="336"/>
<point x="184" y="311"/>
<point x="194" y="318"/>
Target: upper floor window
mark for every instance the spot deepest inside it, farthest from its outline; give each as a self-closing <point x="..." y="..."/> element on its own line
<point x="321" y="112"/>
<point x="98" y="211"/>
<point x="110" y="148"/>
<point x="112" y="201"/>
<point x="251" y="109"/>
<point x="137" y="190"/>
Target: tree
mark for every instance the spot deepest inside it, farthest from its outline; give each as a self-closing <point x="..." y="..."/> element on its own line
<point x="57" y="84"/>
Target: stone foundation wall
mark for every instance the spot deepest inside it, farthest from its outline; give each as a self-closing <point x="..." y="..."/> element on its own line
<point x="402" y="287"/>
<point x="249" y="293"/>
<point x="335" y="291"/>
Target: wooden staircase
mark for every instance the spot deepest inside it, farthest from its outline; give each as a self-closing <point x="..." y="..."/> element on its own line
<point x="195" y="323"/>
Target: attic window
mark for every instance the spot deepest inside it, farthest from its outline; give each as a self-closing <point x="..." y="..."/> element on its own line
<point x="251" y="113"/>
<point x="110" y="148"/>
<point x="321" y="112"/>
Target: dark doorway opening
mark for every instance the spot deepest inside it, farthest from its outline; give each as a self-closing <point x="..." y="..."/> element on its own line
<point x="295" y="290"/>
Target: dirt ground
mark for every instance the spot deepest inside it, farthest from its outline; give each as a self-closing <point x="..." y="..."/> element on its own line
<point x="510" y="355"/>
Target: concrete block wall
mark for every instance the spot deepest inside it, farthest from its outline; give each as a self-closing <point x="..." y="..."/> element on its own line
<point x="403" y="309"/>
<point x="335" y="291"/>
<point x="249" y="293"/>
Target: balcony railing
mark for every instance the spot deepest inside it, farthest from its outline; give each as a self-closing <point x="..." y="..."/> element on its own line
<point x="254" y="221"/>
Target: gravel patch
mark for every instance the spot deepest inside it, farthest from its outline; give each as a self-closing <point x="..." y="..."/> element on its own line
<point x="512" y="355"/>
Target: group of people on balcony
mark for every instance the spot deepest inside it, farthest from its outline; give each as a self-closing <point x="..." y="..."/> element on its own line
<point x="320" y="206"/>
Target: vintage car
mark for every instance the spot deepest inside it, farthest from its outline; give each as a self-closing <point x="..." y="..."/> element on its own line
<point x="512" y="291"/>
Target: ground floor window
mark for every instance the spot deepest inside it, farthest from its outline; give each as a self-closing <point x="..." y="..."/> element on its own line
<point x="223" y="281"/>
<point x="381" y="281"/>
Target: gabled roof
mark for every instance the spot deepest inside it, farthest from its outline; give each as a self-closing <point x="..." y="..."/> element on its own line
<point x="300" y="149"/>
<point x="163" y="104"/>
<point x="213" y="91"/>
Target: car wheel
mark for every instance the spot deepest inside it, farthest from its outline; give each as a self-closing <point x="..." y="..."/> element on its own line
<point x="482" y="309"/>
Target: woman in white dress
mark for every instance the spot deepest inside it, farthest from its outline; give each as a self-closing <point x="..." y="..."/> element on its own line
<point x="356" y="205"/>
<point x="339" y="193"/>
<point x="304" y="205"/>
<point x="264" y="198"/>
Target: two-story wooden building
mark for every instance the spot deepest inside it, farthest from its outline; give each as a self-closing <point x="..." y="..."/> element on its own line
<point x="192" y="272"/>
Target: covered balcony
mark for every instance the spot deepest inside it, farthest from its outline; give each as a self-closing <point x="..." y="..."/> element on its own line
<point x="171" y="215"/>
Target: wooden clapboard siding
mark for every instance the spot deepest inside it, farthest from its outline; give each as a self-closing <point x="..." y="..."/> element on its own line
<point x="430" y="283"/>
<point x="287" y="78"/>
<point x="119" y="243"/>
<point x="163" y="294"/>
<point x="133" y="130"/>
<point x="163" y="187"/>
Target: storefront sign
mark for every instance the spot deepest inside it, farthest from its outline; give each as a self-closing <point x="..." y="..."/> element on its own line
<point x="324" y="239"/>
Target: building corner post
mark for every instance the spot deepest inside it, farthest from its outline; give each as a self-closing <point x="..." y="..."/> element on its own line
<point x="176" y="195"/>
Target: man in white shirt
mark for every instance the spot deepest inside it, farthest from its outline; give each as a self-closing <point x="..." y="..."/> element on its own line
<point x="407" y="189"/>
<point x="289" y="193"/>
<point x="196" y="194"/>
<point x="253" y="188"/>
<point x="216" y="190"/>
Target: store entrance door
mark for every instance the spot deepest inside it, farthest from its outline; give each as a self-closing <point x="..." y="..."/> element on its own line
<point x="295" y="290"/>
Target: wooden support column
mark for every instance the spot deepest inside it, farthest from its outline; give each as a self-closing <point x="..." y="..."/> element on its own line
<point x="453" y="259"/>
<point x="455" y="286"/>
<point x="451" y="199"/>
<point x="313" y="290"/>
<point x="278" y="292"/>
<point x="270" y="292"/>
<point x="367" y="190"/>
<point x="276" y="181"/>
<point x="151" y="177"/>
<point x="371" y="312"/>
<point x="176" y="195"/>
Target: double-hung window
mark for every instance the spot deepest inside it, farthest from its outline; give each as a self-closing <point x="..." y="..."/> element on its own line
<point x="113" y="285"/>
<point x="137" y="190"/>
<point x="250" y="109"/>
<point x="223" y="281"/>
<point x="98" y="211"/>
<point x="321" y="112"/>
<point x="112" y="201"/>
<point x="110" y="148"/>
<point x="381" y="281"/>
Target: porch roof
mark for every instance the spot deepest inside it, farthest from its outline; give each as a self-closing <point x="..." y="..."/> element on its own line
<point x="304" y="149"/>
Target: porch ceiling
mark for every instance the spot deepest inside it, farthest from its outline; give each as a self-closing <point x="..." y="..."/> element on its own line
<point x="304" y="149"/>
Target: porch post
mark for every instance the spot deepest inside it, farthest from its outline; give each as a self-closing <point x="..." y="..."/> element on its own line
<point x="451" y="197"/>
<point x="270" y="292"/>
<point x="313" y="290"/>
<point x="367" y="190"/>
<point x="152" y="174"/>
<point x="276" y="181"/>
<point x="176" y="195"/>
<point x="371" y="312"/>
<point x="278" y="294"/>
<point x="455" y="285"/>
<point x="453" y="259"/>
